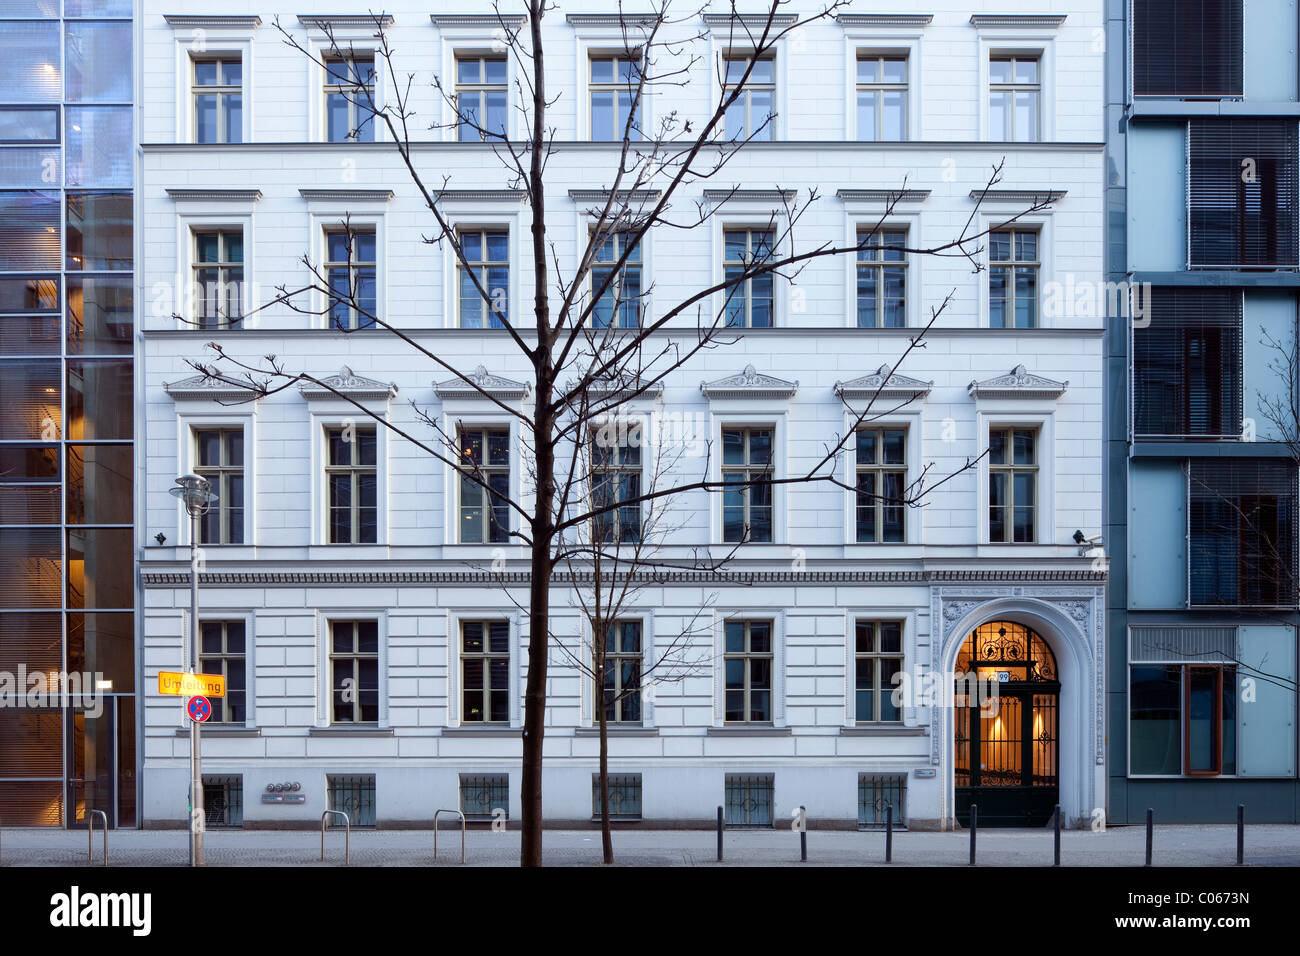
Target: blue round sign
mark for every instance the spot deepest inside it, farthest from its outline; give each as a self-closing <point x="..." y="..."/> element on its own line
<point x="199" y="708"/>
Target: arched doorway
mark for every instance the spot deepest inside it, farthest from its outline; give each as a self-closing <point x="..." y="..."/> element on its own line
<point x="1006" y="757"/>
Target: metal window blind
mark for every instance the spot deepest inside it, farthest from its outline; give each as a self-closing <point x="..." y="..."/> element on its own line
<point x="1192" y="645"/>
<point x="1187" y="364"/>
<point x="1187" y="48"/>
<point x="1242" y="192"/>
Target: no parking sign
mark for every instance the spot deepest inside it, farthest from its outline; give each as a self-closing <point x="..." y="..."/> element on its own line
<point x="199" y="708"/>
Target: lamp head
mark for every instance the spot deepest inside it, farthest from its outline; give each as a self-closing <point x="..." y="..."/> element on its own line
<point x="193" y="491"/>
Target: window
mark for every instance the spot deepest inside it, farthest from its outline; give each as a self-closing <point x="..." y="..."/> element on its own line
<point x="878" y="658"/>
<point x="613" y="86"/>
<point x="1242" y="532"/>
<point x="620" y="304"/>
<point x="1013" y="279"/>
<point x="882" y="477"/>
<point x="748" y="666"/>
<point x="621" y="694"/>
<point x="218" y="278"/>
<point x="349" y="93"/>
<point x="1187" y="377"/>
<point x="483" y="278"/>
<point x="222" y="651"/>
<point x="1182" y="719"/>
<point x="749" y="799"/>
<point x="350" y="269"/>
<point x="882" y="98"/>
<point x="882" y="280"/>
<point x="1242" y="193"/>
<point x="616" y="477"/>
<point x="220" y="459"/>
<point x="485" y="460"/>
<point x="485" y="672"/>
<point x="624" y="796"/>
<point x="352" y="477"/>
<point x="1013" y="484"/>
<point x="749" y="300"/>
<point x="1187" y="48"/>
<point x="218" y="95"/>
<point x="481" y="86"/>
<point x="354" y="672"/>
<point x="753" y="113"/>
<point x="876" y="791"/>
<point x="747" y="491"/>
<point x="223" y="799"/>
<point x="1015" y="96"/>
<point x="353" y="794"/>
<point x="485" y="796"/>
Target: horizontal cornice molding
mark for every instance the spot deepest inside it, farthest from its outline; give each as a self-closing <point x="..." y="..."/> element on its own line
<point x="624" y="195"/>
<point x="866" y="148"/>
<point x="481" y="195"/>
<point x="613" y="19"/>
<point x="748" y="21"/>
<point x="344" y="21"/>
<point x="346" y="195"/>
<point x="884" y="19"/>
<point x="1044" y="22"/>
<point x="1018" y="195"/>
<point x="749" y="195"/>
<point x="215" y="195"/>
<point x="162" y="579"/>
<point x="883" y="195"/>
<point x="212" y="21"/>
<point x="513" y="21"/>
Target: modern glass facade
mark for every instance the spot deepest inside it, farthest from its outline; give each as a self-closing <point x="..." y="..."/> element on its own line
<point x="67" y="555"/>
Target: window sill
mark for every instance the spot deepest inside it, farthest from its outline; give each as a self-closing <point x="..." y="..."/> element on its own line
<point x="760" y="730"/>
<point x="619" y="731"/>
<point x="882" y="730"/>
<point x="343" y="731"/>
<point x="489" y="731"/>
<point x="220" y="730"/>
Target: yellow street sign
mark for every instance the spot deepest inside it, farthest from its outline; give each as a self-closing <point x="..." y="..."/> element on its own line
<point x="189" y="685"/>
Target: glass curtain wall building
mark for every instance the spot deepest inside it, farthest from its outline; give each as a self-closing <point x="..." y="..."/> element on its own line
<point x="67" y="565"/>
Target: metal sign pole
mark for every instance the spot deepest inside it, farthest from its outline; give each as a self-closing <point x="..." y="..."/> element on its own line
<point x="196" y="760"/>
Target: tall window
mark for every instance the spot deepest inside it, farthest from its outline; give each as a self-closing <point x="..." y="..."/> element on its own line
<point x="752" y="114"/>
<point x="882" y="280"/>
<point x="1013" y="279"/>
<point x="352" y="477"/>
<point x="349" y="92"/>
<point x="1015" y="99"/>
<point x="486" y="262"/>
<point x="218" y="278"/>
<point x="485" y="459"/>
<point x="877" y="659"/>
<point x="882" y="478"/>
<point x="218" y="99"/>
<point x="222" y="652"/>
<point x="485" y="672"/>
<point x="748" y="667"/>
<point x="882" y="98"/>
<point x="221" y="460"/>
<point x="613" y="86"/>
<point x="354" y="672"/>
<point x="481" y="85"/>
<point x="620" y="304"/>
<point x="616" y="477"/>
<point x="1013" y="484"/>
<point x="1187" y="49"/>
<point x="620" y="694"/>
<point x="351" y="267"/>
<point x="747" y="492"/>
<point x="748" y="301"/>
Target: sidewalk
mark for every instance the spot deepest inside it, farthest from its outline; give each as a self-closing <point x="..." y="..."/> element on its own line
<point x="1266" y="845"/>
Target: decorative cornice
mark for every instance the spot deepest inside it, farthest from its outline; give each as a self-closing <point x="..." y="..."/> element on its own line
<point x="481" y="195"/>
<point x="749" y="195"/>
<point x="749" y="384"/>
<point x="883" y="385"/>
<point x="1018" y="384"/>
<point x="883" y="195"/>
<point x="215" y="195"/>
<point x="1018" y="195"/>
<point x="202" y="388"/>
<point x="350" y="384"/>
<point x="481" y="384"/>
<point x="613" y="19"/>
<point x="608" y="390"/>
<point x="513" y="21"/>
<point x="624" y="195"/>
<point x="1016" y="20"/>
<point x="884" y="19"/>
<point x="344" y="21"/>
<point x="750" y="21"/>
<point x="212" y="21"/>
<point x="346" y="195"/>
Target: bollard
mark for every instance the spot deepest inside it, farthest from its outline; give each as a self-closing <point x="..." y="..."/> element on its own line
<point x="347" y="835"/>
<point x="1056" y="845"/>
<point x="1241" y="834"/>
<point x="90" y="834"/>
<point x="974" y="825"/>
<point x="803" y="834"/>
<point x="1150" y="820"/>
<point x="889" y="833"/>
<point x="719" y="834"/>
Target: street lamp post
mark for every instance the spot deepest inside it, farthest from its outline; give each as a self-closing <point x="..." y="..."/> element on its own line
<point x="193" y="492"/>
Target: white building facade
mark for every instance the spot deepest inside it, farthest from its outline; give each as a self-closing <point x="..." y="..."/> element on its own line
<point x="240" y="180"/>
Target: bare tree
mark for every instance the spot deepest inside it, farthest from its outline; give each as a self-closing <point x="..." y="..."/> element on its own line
<point x="573" y="345"/>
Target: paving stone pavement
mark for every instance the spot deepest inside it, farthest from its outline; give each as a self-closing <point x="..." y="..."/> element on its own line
<point x="1178" y="846"/>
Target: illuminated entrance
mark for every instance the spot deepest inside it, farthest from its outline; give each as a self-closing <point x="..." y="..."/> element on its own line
<point x="1006" y="752"/>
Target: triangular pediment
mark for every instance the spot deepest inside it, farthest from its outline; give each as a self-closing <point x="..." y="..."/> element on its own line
<point x="884" y="385"/>
<point x="749" y="384"/>
<point x="349" y="384"/>
<point x="198" y="388"/>
<point x="480" y="383"/>
<point x="1018" y="383"/>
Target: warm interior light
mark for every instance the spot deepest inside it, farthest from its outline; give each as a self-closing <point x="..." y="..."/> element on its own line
<point x="103" y="685"/>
